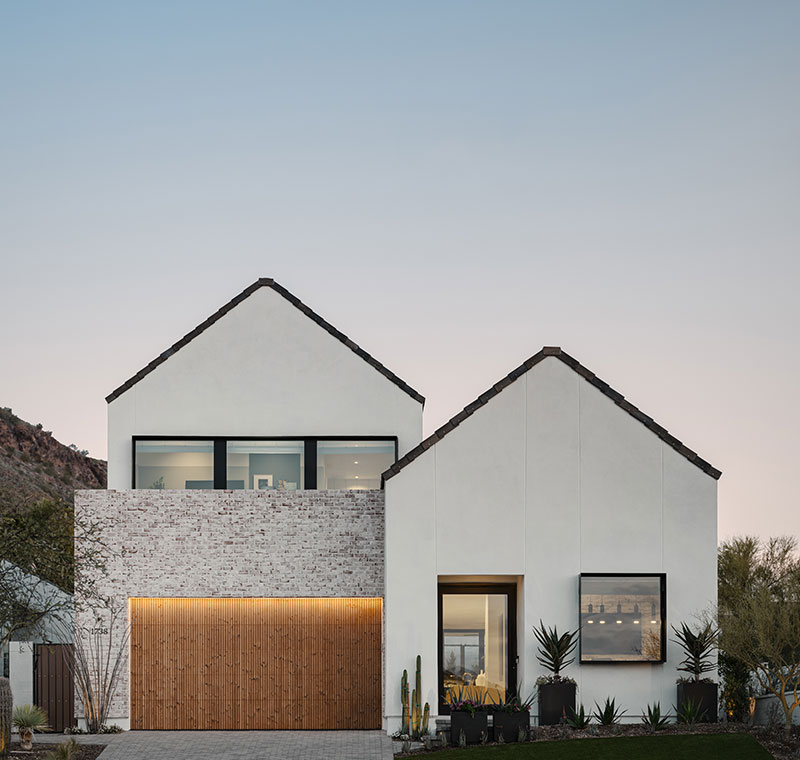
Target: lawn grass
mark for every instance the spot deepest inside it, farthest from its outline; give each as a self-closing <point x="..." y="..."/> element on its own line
<point x="682" y="747"/>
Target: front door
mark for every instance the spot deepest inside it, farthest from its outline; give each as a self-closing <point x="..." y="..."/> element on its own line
<point x="477" y="641"/>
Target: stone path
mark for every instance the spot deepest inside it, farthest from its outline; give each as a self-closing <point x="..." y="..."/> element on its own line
<point x="238" y="745"/>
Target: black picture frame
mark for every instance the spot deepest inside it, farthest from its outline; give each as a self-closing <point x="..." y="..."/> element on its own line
<point x="662" y="577"/>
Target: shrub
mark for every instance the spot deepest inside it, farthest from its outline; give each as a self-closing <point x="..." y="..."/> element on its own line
<point x="67" y="750"/>
<point x="579" y="719"/>
<point x="609" y="714"/>
<point x="654" y="721"/>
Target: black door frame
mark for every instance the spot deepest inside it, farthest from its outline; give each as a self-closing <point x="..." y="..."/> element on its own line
<point x="510" y="590"/>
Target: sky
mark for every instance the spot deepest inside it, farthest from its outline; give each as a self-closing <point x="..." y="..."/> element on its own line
<point x="451" y="184"/>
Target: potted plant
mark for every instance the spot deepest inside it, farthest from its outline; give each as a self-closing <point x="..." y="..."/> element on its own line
<point x="697" y="649"/>
<point x="27" y="719"/>
<point x="468" y="716"/>
<point x="556" y="692"/>
<point x="511" y="717"/>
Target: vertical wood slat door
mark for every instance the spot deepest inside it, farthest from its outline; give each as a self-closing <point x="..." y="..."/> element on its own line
<point x="54" y="686"/>
<point x="256" y="663"/>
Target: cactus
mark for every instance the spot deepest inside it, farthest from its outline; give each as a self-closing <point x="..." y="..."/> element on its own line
<point x="415" y="717"/>
<point x="6" y="705"/>
<point x="404" y="700"/>
<point x="415" y="709"/>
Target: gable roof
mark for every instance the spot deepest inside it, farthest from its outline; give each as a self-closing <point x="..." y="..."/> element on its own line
<point x="589" y="376"/>
<point x="265" y="282"/>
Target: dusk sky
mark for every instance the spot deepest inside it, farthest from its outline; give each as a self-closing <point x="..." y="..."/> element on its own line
<point x="451" y="184"/>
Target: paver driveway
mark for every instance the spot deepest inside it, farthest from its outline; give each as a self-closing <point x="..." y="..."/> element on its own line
<point x="239" y="745"/>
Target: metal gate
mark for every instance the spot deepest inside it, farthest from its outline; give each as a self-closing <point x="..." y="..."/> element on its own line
<point x="53" y="685"/>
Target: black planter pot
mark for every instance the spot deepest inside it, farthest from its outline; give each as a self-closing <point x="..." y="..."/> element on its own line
<point x="702" y="694"/>
<point x="554" y="700"/>
<point x="472" y="724"/>
<point x="508" y="725"/>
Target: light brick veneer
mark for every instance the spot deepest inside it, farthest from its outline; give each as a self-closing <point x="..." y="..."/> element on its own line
<point x="236" y="543"/>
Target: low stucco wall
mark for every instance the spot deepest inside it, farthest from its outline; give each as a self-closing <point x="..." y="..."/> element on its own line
<point x="235" y="544"/>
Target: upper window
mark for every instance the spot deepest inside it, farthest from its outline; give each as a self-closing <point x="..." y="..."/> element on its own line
<point x="265" y="465"/>
<point x="353" y="465"/>
<point x="174" y="464"/>
<point x="262" y="464"/>
<point x="622" y="618"/>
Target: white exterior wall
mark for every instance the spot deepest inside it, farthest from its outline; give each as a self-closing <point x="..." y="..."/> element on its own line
<point x="548" y="480"/>
<point x="20" y="672"/>
<point x="263" y="369"/>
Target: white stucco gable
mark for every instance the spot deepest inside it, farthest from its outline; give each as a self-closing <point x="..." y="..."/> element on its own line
<point x="264" y="365"/>
<point x="547" y="475"/>
<point x="604" y="389"/>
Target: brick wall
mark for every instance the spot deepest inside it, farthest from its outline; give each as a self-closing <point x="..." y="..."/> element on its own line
<point x="235" y="543"/>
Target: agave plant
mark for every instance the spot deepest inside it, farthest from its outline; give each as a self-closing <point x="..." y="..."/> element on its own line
<point x="579" y="719"/>
<point x="654" y="721"/>
<point x="690" y="712"/>
<point x="466" y="700"/>
<point x="609" y="714"/>
<point x="512" y="702"/>
<point x="697" y="648"/>
<point x="554" y="650"/>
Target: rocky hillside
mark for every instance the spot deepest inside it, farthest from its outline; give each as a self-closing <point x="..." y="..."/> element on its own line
<point x="34" y="465"/>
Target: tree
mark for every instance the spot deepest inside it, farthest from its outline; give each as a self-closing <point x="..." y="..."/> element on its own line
<point x="759" y="614"/>
<point x="39" y="538"/>
<point x="37" y="565"/>
<point x="26" y="602"/>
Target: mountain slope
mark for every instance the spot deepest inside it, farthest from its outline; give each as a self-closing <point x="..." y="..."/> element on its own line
<point x="34" y="465"/>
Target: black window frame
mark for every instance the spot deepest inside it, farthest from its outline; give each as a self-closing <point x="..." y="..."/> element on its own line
<point x="510" y="589"/>
<point x="663" y="593"/>
<point x="220" y="455"/>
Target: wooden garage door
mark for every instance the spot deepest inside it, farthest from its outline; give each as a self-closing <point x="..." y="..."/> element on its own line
<point x="256" y="663"/>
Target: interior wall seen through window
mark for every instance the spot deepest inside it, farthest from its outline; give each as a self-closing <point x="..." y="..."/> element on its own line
<point x="174" y="464"/>
<point x="353" y="465"/>
<point x="475" y="644"/>
<point x="265" y="465"/>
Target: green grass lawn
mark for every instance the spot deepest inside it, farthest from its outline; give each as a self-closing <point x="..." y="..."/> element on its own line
<point x="684" y="747"/>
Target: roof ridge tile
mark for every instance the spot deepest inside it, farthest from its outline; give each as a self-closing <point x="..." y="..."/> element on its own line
<point x="557" y="353"/>
<point x="265" y="282"/>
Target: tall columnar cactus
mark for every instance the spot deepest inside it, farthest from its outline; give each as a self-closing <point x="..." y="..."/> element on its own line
<point x="419" y="715"/>
<point x="415" y="717"/>
<point x="404" y="700"/>
<point x="6" y="709"/>
<point x="418" y="684"/>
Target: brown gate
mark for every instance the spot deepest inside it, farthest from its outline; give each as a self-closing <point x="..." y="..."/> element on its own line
<point x="54" y="688"/>
<point x="256" y="663"/>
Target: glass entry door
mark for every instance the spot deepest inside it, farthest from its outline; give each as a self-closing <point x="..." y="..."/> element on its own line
<point x="477" y="641"/>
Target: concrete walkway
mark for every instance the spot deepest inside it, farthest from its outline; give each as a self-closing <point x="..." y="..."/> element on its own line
<point x="237" y="745"/>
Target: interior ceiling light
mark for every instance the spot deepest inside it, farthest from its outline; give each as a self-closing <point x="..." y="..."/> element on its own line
<point x="356" y="462"/>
